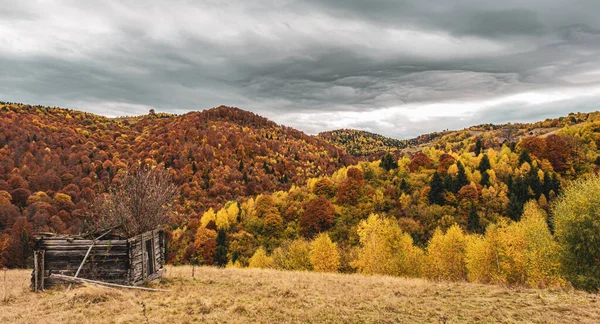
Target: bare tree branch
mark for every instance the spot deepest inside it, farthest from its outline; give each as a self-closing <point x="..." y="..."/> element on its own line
<point x="141" y="203"/>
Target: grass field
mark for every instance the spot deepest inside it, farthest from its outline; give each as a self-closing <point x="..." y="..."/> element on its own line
<point x="269" y="296"/>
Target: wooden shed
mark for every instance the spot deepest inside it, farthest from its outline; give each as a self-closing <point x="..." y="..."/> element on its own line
<point x="108" y="258"/>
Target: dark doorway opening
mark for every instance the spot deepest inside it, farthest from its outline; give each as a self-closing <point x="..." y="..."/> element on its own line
<point x="149" y="257"/>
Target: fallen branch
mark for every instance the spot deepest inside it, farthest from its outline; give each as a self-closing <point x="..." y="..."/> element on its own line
<point x="101" y="283"/>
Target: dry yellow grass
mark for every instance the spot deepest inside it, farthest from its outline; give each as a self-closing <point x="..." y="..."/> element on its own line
<point x="270" y="296"/>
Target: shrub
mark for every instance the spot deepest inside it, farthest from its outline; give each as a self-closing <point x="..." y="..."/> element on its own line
<point x="260" y="259"/>
<point x="577" y="229"/>
<point x="324" y="255"/>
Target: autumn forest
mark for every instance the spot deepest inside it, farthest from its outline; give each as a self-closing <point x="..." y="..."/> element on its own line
<point x="511" y="204"/>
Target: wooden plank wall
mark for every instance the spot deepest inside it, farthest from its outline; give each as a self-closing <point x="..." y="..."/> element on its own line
<point x="108" y="259"/>
<point x="116" y="261"/>
<point x="137" y="247"/>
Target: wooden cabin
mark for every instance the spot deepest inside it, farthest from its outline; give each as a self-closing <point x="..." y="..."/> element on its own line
<point x="112" y="258"/>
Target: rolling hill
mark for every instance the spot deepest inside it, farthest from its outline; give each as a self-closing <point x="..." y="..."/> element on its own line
<point x="373" y="146"/>
<point x="53" y="161"/>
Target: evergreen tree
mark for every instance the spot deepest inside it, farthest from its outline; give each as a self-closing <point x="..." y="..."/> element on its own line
<point x="514" y="209"/>
<point x="478" y="147"/>
<point x="484" y="164"/>
<point x="436" y="193"/>
<point x="555" y="183"/>
<point x="473" y="224"/>
<point x="448" y="182"/>
<point x="524" y="157"/>
<point x="533" y="181"/>
<point x="404" y="186"/>
<point x="485" y="178"/>
<point x="518" y="196"/>
<point x="547" y="186"/>
<point x="241" y="166"/>
<point x="461" y="178"/>
<point x="194" y="167"/>
<point x="388" y="162"/>
<point x="221" y="255"/>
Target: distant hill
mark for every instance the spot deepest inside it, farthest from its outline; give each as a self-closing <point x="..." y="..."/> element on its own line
<point x="361" y="143"/>
<point x="366" y="144"/>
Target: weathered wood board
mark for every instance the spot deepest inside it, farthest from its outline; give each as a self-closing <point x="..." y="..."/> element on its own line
<point x="120" y="261"/>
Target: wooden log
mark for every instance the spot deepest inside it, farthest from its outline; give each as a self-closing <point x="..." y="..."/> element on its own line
<point x="53" y="282"/>
<point x="79" y="254"/>
<point x="35" y="271"/>
<point x="70" y="255"/>
<point x="85" y="243"/>
<point x="101" y="283"/>
<point x="143" y="255"/>
<point x="83" y="247"/>
<point x="62" y="265"/>
<point x="43" y="266"/>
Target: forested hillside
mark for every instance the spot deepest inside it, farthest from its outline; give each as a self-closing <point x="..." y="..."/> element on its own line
<point x="482" y="204"/>
<point x="363" y="143"/>
<point x="473" y="209"/>
<point x="358" y="142"/>
<point x="54" y="161"/>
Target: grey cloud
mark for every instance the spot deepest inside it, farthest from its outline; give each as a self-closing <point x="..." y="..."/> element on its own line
<point x="291" y="60"/>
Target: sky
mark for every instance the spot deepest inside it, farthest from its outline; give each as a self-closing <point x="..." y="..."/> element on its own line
<point x="399" y="68"/>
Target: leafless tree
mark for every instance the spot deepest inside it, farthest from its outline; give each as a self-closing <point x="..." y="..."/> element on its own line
<point x="142" y="202"/>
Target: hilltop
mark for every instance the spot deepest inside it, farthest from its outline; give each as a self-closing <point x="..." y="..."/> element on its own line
<point x="215" y="155"/>
<point x="270" y="296"/>
<point x="363" y="143"/>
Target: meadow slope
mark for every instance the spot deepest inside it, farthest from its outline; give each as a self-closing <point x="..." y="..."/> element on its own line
<point x="269" y="296"/>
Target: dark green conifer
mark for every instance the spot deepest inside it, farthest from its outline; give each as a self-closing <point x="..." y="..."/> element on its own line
<point x="461" y="178"/>
<point x="388" y="162"/>
<point x="436" y="193"/>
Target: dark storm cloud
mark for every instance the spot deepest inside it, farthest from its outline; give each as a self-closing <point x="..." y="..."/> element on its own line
<point x="399" y="68"/>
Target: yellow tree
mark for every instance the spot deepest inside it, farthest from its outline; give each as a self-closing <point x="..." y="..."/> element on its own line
<point x="577" y="224"/>
<point x="222" y="219"/>
<point x="324" y="255"/>
<point x="445" y="258"/>
<point x="260" y="259"/>
<point x="208" y="216"/>
<point x="385" y="249"/>
<point x="298" y="255"/>
<point x="292" y="255"/>
<point x="232" y="211"/>
<point x="522" y="253"/>
<point x="541" y="251"/>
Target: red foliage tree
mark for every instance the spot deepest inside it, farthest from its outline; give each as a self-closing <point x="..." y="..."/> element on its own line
<point x="534" y="145"/>
<point x="19" y="197"/>
<point x="418" y="161"/>
<point x="19" y="246"/>
<point x="446" y="160"/>
<point x="350" y="190"/>
<point x="318" y="216"/>
<point x="557" y="152"/>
